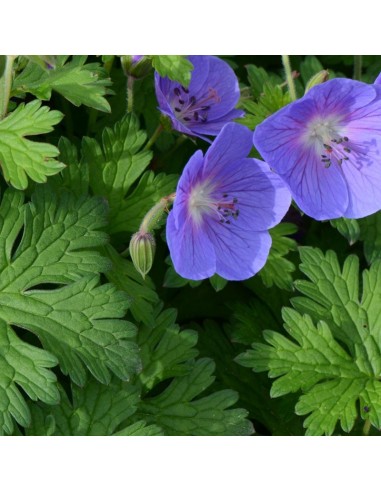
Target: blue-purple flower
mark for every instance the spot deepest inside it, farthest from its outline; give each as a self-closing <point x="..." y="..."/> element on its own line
<point x="207" y="104"/>
<point x="225" y="203"/>
<point x="327" y="148"/>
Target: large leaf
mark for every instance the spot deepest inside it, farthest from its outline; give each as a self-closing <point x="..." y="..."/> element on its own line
<point x="49" y="286"/>
<point x="337" y="362"/>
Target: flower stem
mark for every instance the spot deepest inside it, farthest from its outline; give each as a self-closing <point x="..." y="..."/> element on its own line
<point x="289" y="77"/>
<point x="357" y="67"/>
<point x="6" y="65"/>
<point x="366" y="428"/>
<point x="130" y="93"/>
<point x="155" y="213"/>
<point x="154" y="137"/>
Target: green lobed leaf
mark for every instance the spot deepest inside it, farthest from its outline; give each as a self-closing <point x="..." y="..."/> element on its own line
<point x="178" y="411"/>
<point x="97" y="410"/>
<point x="175" y="67"/>
<point x="114" y="168"/>
<point x="78" y="82"/>
<point x="23" y="366"/>
<point x="337" y="362"/>
<point x="49" y="286"/>
<point x="21" y="157"/>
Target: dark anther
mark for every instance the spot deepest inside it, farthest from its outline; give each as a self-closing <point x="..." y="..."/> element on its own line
<point x="236" y="213"/>
<point x="181" y="101"/>
<point x="326" y="146"/>
<point x="345" y="139"/>
<point x="186" y="118"/>
<point x="176" y="90"/>
<point x="327" y="165"/>
<point x="185" y="89"/>
<point x="227" y="221"/>
<point x="346" y="158"/>
<point x="192" y="100"/>
<point x="205" y="108"/>
<point x="235" y="200"/>
<point x="334" y="140"/>
<point x="347" y="150"/>
<point x="324" y="156"/>
<point x="203" y="118"/>
<point x="178" y="110"/>
<point x="222" y="221"/>
<point x="195" y="115"/>
<point x="218" y="208"/>
<point x="225" y="195"/>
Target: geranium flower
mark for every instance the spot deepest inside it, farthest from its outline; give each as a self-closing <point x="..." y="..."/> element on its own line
<point x="207" y="104"/>
<point x="327" y="148"/>
<point x="225" y="203"/>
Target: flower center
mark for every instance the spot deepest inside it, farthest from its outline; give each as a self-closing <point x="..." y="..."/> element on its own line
<point x="203" y="201"/>
<point x="189" y="109"/>
<point x="325" y="135"/>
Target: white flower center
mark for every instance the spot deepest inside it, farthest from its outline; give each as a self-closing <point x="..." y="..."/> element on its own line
<point x="204" y="199"/>
<point x="325" y="136"/>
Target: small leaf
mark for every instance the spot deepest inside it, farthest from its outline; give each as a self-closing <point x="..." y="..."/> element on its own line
<point x="175" y="67"/>
<point x="20" y="157"/>
<point x="349" y="228"/>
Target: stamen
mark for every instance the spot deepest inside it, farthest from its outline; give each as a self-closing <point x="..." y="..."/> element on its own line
<point x="186" y="118"/>
<point x="181" y="101"/>
<point x="192" y="100"/>
<point x="177" y="91"/>
<point x="185" y="89"/>
<point x="195" y="115"/>
<point x="178" y="110"/>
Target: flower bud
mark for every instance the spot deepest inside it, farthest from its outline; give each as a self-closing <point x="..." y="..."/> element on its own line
<point x="142" y="251"/>
<point x="138" y="66"/>
<point x="316" y="79"/>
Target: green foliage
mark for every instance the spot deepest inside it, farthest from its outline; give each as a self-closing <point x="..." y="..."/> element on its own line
<point x="116" y="165"/>
<point x="49" y="286"/>
<point x="338" y="361"/>
<point x="175" y="67"/>
<point x="271" y="99"/>
<point x="178" y="411"/>
<point x="21" y="157"/>
<point x="97" y="410"/>
<point x="78" y="82"/>
<point x="370" y="233"/>
<point x="278" y="269"/>
<point x="349" y="228"/>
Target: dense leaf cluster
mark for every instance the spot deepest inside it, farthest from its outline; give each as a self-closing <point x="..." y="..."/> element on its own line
<point x="87" y="347"/>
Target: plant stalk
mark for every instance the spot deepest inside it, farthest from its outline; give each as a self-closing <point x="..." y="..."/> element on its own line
<point x="289" y="77"/>
<point x="130" y="93"/>
<point x="357" y="67"/>
<point x="154" y="137"/>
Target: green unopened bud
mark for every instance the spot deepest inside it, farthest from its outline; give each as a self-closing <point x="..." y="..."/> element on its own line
<point x="138" y="66"/>
<point x="317" y="79"/>
<point x="142" y="251"/>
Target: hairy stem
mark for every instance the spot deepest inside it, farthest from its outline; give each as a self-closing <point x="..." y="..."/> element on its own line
<point x="155" y="214"/>
<point x="130" y="93"/>
<point x="357" y="67"/>
<point x="289" y="77"/>
<point x="6" y="65"/>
